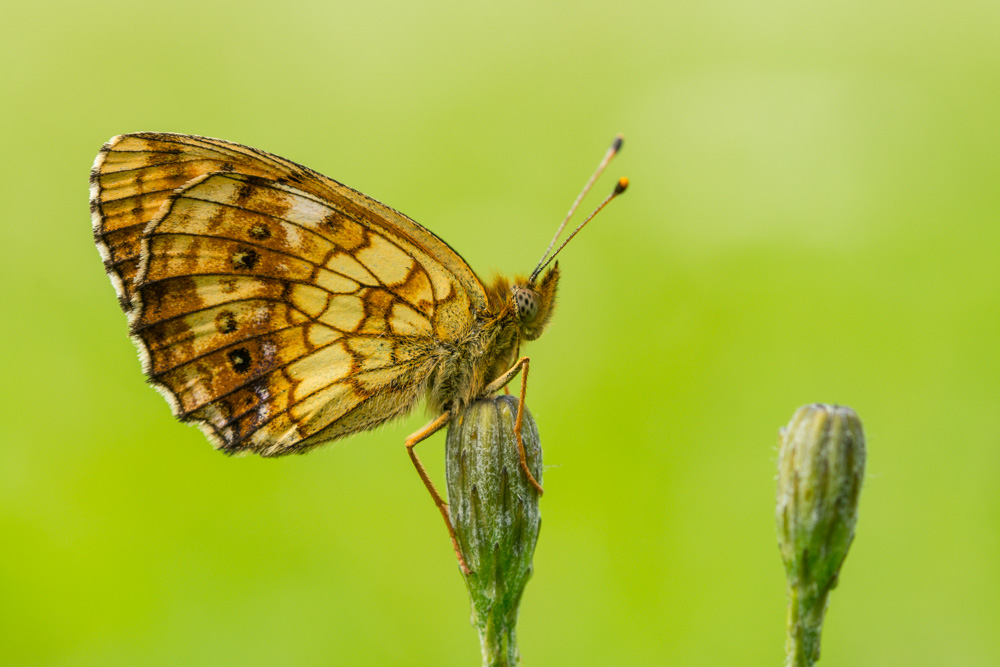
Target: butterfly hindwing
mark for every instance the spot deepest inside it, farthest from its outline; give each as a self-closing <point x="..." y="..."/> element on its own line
<point x="135" y="174"/>
<point x="274" y="307"/>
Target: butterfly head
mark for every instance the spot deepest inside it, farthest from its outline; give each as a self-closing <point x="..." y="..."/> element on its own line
<point x="534" y="298"/>
<point x="534" y="302"/>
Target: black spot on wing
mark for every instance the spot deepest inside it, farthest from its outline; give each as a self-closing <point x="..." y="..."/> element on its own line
<point x="239" y="359"/>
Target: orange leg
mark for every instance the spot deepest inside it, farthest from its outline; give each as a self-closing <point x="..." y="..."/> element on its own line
<point x="520" y="366"/>
<point x="442" y="506"/>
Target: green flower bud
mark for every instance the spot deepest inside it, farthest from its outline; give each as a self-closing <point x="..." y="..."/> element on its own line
<point x="821" y="464"/>
<point x="494" y="510"/>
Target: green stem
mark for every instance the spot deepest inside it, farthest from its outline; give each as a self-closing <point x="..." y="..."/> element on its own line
<point x="499" y="642"/>
<point x="804" y="625"/>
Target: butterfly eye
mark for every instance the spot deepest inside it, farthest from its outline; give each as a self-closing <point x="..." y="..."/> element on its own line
<point x="527" y="304"/>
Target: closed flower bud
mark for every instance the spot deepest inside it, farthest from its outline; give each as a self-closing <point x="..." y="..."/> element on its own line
<point x="821" y="465"/>
<point x="494" y="510"/>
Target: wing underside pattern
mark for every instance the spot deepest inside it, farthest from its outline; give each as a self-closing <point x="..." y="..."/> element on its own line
<point x="274" y="307"/>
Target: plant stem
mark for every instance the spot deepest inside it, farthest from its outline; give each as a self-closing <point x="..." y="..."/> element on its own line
<point x="498" y="640"/>
<point x="804" y="625"/>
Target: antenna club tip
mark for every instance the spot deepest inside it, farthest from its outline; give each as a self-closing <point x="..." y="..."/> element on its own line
<point x="622" y="185"/>
<point x="616" y="145"/>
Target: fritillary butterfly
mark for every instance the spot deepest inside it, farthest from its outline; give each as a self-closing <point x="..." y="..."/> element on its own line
<point x="278" y="309"/>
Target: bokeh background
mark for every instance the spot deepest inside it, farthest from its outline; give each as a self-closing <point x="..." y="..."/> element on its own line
<point x="813" y="217"/>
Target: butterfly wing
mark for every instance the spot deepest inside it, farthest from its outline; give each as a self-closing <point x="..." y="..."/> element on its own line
<point x="275" y="307"/>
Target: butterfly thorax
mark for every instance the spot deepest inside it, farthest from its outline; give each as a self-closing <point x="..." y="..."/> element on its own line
<point x="516" y="311"/>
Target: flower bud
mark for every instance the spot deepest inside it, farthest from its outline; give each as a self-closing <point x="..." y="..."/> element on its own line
<point x="821" y="465"/>
<point x="494" y="510"/>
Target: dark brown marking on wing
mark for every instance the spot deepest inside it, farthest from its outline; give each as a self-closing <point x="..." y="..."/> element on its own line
<point x="259" y="231"/>
<point x="240" y="359"/>
<point x="377" y="304"/>
<point x="345" y="232"/>
<point x="225" y="322"/>
<point x="245" y="259"/>
<point x="169" y="298"/>
<point x="415" y="288"/>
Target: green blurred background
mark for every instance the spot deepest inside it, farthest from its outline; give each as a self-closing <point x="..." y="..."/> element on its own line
<point x="813" y="217"/>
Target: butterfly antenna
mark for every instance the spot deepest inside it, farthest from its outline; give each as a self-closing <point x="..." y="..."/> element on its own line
<point x="619" y="189"/>
<point x="616" y="146"/>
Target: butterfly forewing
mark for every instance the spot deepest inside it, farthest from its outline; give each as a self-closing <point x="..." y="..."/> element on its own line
<point x="273" y="306"/>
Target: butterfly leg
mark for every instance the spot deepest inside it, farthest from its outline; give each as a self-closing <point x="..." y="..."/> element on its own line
<point x="442" y="506"/>
<point x="520" y="366"/>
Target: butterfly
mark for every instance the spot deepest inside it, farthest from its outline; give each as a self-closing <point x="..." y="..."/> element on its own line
<point x="278" y="309"/>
